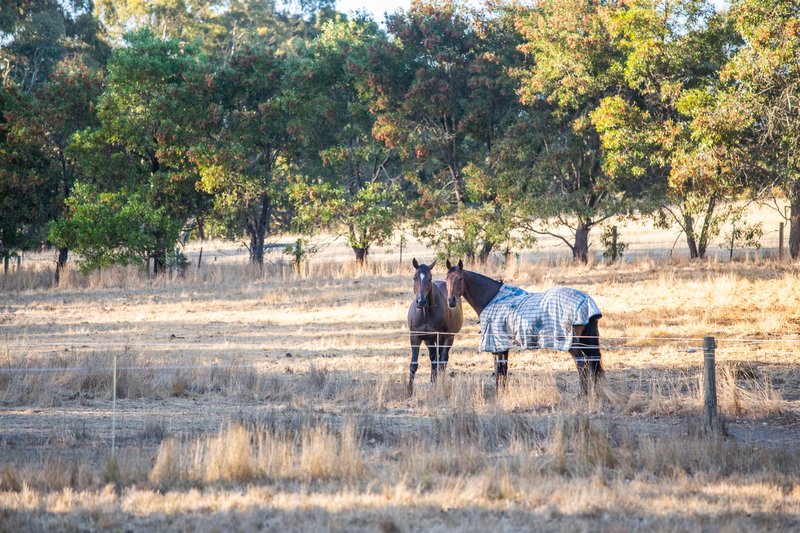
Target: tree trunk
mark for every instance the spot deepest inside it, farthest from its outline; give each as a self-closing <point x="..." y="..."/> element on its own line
<point x="688" y="229"/>
<point x="201" y="233"/>
<point x="702" y="245"/>
<point x="461" y="189"/>
<point x="794" y="220"/>
<point x="361" y="254"/>
<point x="61" y="263"/>
<point x="258" y="230"/>
<point x="159" y="262"/>
<point x="580" y="251"/>
<point x="486" y="249"/>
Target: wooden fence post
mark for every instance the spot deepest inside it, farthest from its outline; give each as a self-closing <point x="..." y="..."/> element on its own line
<point x="709" y="384"/>
<point x="780" y="241"/>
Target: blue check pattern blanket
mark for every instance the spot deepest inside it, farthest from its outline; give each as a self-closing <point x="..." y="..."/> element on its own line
<point x="534" y="320"/>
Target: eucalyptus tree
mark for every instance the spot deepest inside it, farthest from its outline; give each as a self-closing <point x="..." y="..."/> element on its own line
<point x="46" y="117"/>
<point x="150" y="114"/>
<point x="50" y="57"/>
<point x="573" y="63"/>
<point x="765" y="94"/>
<point x="222" y="27"/>
<point x="660" y="126"/>
<point x="25" y="191"/>
<point x="443" y="98"/>
<point x="348" y="179"/>
<point x="422" y="81"/>
<point x="253" y="130"/>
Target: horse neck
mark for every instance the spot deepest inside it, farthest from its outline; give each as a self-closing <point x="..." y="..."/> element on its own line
<point x="479" y="290"/>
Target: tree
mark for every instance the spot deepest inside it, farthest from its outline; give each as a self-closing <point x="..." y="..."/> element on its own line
<point x="47" y="117"/>
<point x="37" y="34"/>
<point x="659" y="127"/>
<point x="765" y="79"/>
<point x="25" y="193"/>
<point x="575" y="63"/>
<point x="443" y="98"/>
<point x="221" y="27"/>
<point x="246" y="160"/>
<point x="112" y="228"/>
<point x="149" y="118"/>
<point x="422" y="81"/>
<point x="49" y="59"/>
<point x="350" y="181"/>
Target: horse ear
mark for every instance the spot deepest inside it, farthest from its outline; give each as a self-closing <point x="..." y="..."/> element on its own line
<point x="433" y="264"/>
<point x="414" y="262"/>
<point x="449" y="266"/>
<point x="460" y="264"/>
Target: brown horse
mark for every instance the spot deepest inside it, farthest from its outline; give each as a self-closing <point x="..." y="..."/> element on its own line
<point x="561" y="318"/>
<point x="432" y="321"/>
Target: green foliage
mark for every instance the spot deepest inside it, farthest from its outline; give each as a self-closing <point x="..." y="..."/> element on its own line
<point x="742" y="234"/>
<point x="300" y="252"/>
<point x="575" y="64"/>
<point x="107" y="228"/>
<point x="658" y="128"/>
<point x="482" y="127"/>
<point x="763" y="76"/>
<point x="613" y="246"/>
<point x="355" y="190"/>
<point x="150" y="115"/>
<point x="38" y="34"/>
<point x="253" y="128"/>
<point x="474" y="232"/>
<point x="369" y="216"/>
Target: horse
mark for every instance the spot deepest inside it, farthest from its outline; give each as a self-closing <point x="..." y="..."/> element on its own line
<point x="561" y="318"/>
<point x="432" y="321"/>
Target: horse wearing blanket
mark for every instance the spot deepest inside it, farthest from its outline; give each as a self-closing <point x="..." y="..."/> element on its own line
<point x="561" y="319"/>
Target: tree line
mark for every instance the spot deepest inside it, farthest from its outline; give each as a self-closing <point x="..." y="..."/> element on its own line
<point x="127" y="124"/>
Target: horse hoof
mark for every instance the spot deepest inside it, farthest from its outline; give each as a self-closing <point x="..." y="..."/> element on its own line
<point x="410" y="389"/>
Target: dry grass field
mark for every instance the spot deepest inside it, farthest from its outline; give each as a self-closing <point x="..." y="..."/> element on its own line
<point x="252" y="400"/>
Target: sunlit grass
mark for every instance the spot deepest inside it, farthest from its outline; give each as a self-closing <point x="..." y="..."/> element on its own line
<point x="280" y="398"/>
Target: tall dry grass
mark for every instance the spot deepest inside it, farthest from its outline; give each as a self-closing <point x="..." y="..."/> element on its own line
<point x="239" y="455"/>
<point x="314" y="423"/>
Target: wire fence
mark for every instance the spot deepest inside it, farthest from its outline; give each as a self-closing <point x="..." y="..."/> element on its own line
<point x="730" y="346"/>
<point x="608" y="343"/>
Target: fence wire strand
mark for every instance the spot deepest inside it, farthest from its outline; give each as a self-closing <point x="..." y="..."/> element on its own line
<point x="695" y="346"/>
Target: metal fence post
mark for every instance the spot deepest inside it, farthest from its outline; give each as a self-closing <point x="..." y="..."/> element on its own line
<point x="114" y="409"/>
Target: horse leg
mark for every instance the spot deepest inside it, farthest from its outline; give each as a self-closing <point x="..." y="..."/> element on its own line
<point x="433" y="350"/>
<point x="581" y="362"/>
<point x="586" y="352"/>
<point x="444" y="354"/>
<point x="500" y="370"/>
<point x="415" y="342"/>
<point x="591" y="342"/>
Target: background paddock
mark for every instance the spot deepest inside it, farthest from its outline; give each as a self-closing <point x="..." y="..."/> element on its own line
<point x="259" y="388"/>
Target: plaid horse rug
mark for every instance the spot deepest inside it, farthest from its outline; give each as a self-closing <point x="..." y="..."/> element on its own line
<point x="534" y="320"/>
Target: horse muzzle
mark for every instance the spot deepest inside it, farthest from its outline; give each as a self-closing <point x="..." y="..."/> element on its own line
<point x="421" y="302"/>
<point x="452" y="302"/>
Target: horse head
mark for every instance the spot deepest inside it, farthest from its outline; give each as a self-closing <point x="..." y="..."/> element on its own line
<point x="423" y="282"/>
<point x="455" y="283"/>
